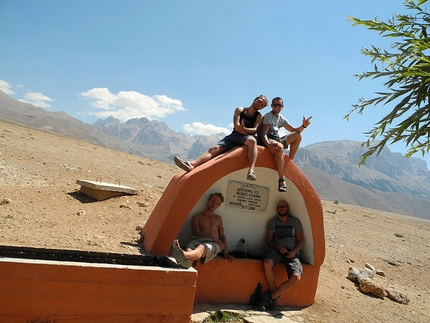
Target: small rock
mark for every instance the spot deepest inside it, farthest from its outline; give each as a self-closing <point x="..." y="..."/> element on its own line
<point x="368" y="286"/>
<point x="393" y="262"/>
<point x="81" y="212"/>
<point x="365" y="273"/>
<point x="5" y="201"/>
<point x="353" y="274"/>
<point x="356" y="275"/>
<point x="380" y="273"/>
<point x="397" y="296"/>
<point x="369" y="266"/>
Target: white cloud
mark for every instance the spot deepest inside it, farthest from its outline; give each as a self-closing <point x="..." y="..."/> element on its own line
<point x="130" y="104"/>
<point x="37" y="99"/>
<point x="6" y="87"/>
<point x="198" y="128"/>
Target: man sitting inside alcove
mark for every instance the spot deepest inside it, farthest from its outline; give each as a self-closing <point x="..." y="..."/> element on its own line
<point x="208" y="238"/>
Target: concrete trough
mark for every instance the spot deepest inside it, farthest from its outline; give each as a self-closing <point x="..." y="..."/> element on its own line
<point x="40" y="290"/>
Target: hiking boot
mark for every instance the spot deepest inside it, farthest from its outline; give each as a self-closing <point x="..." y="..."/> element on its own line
<point x="267" y="302"/>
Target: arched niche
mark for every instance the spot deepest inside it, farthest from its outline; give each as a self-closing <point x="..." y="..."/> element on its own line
<point x="247" y="208"/>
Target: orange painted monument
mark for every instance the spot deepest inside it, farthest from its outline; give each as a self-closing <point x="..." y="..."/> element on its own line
<point x="247" y="208"/>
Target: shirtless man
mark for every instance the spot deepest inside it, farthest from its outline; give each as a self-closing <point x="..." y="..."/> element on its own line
<point x="208" y="236"/>
<point x="246" y="124"/>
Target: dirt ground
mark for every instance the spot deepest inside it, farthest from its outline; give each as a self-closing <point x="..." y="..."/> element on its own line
<point x="41" y="207"/>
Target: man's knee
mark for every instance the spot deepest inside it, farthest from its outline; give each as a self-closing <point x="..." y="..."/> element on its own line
<point x="251" y="142"/>
<point x="198" y="252"/>
<point x="214" y="150"/>
<point x="295" y="138"/>
<point x="268" y="264"/>
<point x="280" y="150"/>
<point x="295" y="278"/>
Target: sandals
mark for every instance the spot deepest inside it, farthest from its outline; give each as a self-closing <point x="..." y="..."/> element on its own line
<point x="178" y="254"/>
<point x="251" y="176"/>
<point x="282" y="188"/>
<point x="182" y="164"/>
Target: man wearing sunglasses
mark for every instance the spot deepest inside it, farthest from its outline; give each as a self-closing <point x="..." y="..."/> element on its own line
<point x="269" y="137"/>
<point x="284" y="236"/>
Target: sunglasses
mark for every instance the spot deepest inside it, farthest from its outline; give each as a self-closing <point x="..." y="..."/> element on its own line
<point x="277" y="105"/>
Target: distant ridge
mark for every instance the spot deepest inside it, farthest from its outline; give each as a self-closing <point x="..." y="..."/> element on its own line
<point x="59" y="123"/>
<point x="389" y="172"/>
<point x="389" y="182"/>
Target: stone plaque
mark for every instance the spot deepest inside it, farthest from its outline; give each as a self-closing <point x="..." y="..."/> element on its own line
<point x="247" y="196"/>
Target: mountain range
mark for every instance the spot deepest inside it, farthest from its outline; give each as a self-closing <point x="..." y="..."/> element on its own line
<point x="387" y="182"/>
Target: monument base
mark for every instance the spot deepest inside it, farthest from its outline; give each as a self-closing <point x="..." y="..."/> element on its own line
<point x="240" y="277"/>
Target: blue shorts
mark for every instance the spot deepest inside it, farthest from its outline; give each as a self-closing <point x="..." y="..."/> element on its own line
<point x="233" y="140"/>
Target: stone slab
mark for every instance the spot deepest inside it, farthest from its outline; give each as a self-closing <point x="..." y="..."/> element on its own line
<point x="102" y="191"/>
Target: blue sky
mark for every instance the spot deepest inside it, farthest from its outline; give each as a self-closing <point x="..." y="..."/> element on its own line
<point x="191" y="63"/>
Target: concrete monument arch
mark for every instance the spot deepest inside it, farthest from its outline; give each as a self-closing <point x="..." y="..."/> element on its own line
<point x="248" y="205"/>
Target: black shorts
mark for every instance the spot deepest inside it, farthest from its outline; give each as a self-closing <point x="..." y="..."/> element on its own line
<point x="281" y="140"/>
<point x="293" y="265"/>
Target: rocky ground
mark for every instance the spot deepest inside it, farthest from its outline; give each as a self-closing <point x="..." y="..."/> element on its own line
<point x="41" y="207"/>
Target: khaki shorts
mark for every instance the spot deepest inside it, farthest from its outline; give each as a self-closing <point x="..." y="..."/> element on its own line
<point x="212" y="248"/>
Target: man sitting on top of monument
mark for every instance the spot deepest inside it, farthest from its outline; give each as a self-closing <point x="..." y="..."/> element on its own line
<point x="208" y="236"/>
<point x="269" y="137"/>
